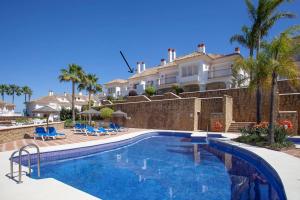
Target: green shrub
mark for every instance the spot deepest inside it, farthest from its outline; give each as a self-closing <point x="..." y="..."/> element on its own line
<point x="150" y="90"/>
<point x="67" y="114"/>
<point x="176" y="89"/>
<point x="68" y="123"/>
<point x="110" y="98"/>
<point x="106" y="112"/>
<point x="258" y="135"/>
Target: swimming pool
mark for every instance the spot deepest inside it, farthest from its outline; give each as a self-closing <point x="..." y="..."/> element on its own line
<point x="163" y="167"/>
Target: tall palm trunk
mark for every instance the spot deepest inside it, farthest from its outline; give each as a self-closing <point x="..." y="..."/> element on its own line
<point x="272" y="108"/>
<point x="258" y="89"/>
<point x="25" y="97"/>
<point x="29" y="97"/>
<point x="90" y="118"/>
<point x="13" y="98"/>
<point x="73" y="102"/>
<point x="251" y="52"/>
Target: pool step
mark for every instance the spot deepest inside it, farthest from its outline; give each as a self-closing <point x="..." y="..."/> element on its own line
<point x="202" y="137"/>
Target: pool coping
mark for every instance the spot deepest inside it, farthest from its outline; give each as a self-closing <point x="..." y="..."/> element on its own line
<point x="285" y="165"/>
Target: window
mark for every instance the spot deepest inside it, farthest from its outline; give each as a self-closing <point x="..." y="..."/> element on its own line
<point x="110" y="90"/>
<point x="170" y="78"/>
<point x="189" y="70"/>
<point x="150" y="83"/>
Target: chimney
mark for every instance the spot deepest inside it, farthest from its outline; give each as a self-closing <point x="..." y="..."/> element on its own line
<point x="201" y="48"/>
<point x="170" y="56"/>
<point x="143" y="66"/>
<point x="173" y="54"/>
<point x="237" y="50"/>
<point x="50" y="93"/>
<point x="138" y="67"/>
<point x="163" y="62"/>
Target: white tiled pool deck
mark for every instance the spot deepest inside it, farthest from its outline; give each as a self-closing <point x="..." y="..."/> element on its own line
<point x="288" y="168"/>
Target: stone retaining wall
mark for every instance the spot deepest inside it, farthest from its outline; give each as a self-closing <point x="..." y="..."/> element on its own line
<point x="15" y="133"/>
<point x="174" y="114"/>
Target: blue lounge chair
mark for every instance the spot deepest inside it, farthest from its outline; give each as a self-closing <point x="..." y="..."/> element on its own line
<point x="113" y="127"/>
<point x="40" y="132"/>
<point x="103" y="131"/>
<point x="91" y="131"/>
<point x="120" y="128"/>
<point x="52" y="132"/>
<point x="79" y="128"/>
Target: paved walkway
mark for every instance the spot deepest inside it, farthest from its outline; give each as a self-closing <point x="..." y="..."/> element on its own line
<point x="71" y="138"/>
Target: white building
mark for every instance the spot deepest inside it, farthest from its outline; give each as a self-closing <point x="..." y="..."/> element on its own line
<point x="7" y="109"/>
<point x="59" y="101"/>
<point x="197" y="71"/>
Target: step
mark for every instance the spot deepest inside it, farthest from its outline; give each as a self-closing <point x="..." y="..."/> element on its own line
<point x="236" y="126"/>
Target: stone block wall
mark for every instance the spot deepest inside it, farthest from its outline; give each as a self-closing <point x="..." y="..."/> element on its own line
<point x="15" y="133"/>
<point x="208" y="106"/>
<point x="137" y="98"/>
<point x="175" y="114"/>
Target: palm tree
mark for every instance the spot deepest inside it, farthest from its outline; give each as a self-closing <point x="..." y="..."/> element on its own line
<point x="280" y="52"/>
<point x="14" y="90"/>
<point x="90" y="84"/>
<point x="246" y="39"/>
<point x="3" y="90"/>
<point x="73" y="74"/>
<point x="264" y="16"/>
<point x="256" y="66"/>
<point x="25" y="90"/>
<point x="29" y="93"/>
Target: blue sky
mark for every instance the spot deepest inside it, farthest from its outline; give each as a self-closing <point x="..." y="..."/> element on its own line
<point x="38" y="38"/>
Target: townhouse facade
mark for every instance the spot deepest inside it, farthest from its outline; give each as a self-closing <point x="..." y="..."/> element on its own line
<point x="59" y="101"/>
<point x="197" y="71"/>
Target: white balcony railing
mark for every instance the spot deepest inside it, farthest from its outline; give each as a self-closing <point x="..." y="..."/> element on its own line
<point x="170" y="80"/>
<point x="219" y="73"/>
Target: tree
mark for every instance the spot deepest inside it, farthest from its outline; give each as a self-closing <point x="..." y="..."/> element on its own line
<point x="25" y="90"/>
<point x="280" y="52"/>
<point x="263" y="17"/>
<point x="3" y="90"/>
<point x="106" y="112"/>
<point x="29" y="93"/>
<point x="150" y="90"/>
<point x="246" y="39"/>
<point x="14" y="90"/>
<point x="73" y="74"/>
<point x="258" y="67"/>
<point x="238" y="79"/>
<point x="90" y="84"/>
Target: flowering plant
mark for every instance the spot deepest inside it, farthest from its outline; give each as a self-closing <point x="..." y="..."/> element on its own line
<point x="287" y="124"/>
<point x="218" y="126"/>
<point x="262" y="125"/>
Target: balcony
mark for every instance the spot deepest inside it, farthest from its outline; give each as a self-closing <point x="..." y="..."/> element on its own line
<point x="219" y="73"/>
<point x="170" y="80"/>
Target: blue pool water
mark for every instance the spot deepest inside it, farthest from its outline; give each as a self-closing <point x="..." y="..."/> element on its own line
<point x="162" y="167"/>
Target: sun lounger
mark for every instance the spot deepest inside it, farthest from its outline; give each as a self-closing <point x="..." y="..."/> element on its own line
<point x="79" y="128"/>
<point x="52" y="132"/>
<point x="91" y="131"/>
<point x="113" y="128"/>
<point x="40" y="132"/>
